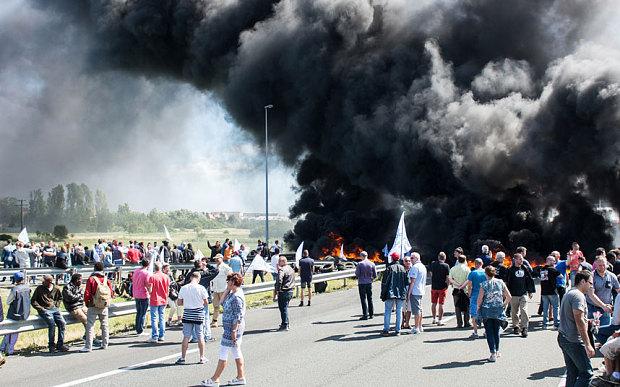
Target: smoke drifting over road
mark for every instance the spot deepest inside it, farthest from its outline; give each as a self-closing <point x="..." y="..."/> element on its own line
<point x="485" y="119"/>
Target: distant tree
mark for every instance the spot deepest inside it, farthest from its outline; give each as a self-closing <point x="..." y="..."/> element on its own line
<point x="56" y="203"/>
<point x="60" y="231"/>
<point x="37" y="209"/>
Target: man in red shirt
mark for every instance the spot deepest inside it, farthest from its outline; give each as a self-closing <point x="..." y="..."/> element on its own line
<point x="133" y="254"/>
<point x="573" y="261"/>
<point x="158" y="285"/>
<point x="97" y="300"/>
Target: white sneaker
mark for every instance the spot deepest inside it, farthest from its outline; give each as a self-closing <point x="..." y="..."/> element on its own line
<point x="203" y="360"/>
<point x="414" y="331"/>
<point x="210" y="383"/>
<point x="441" y="323"/>
<point x="493" y="358"/>
<point x="434" y="321"/>
<point x="237" y="382"/>
<point x="84" y="349"/>
<point x="421" y="329"/>
<point x="152" y="340"/>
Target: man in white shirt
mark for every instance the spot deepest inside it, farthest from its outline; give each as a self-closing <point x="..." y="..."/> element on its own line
<point x="218" y="287"/>
<point x="417" y="285"/>
<point x="193" y="297"/>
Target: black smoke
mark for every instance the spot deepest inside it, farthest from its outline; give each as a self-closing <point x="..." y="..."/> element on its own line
<point x="482" y="119"/>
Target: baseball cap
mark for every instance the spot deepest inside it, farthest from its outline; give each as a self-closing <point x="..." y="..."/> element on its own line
<point x="395" y="255"/>
<point x="18" y="276"/>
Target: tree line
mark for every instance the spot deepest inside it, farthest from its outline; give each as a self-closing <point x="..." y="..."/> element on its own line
<point x="81" y="209"/>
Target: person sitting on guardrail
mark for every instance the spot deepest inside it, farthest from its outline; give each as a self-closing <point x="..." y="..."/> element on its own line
<point x="18" y="301"/>
<point x="73" y="299"/>
<point x="285" y="282"/>
<point x="306" y="268"/>
<point x="98" y="296"/>
<point x="45" y="300"/>
<point x="194" y="298"/>
<point x="233" y="321"/>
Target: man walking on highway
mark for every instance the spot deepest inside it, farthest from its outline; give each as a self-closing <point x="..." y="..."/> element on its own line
<point x="158" y="288"/>
<point x="97" y="297"/>
<point x="440" y="272"/>
<point x="285" y="282"/>
<point x="573" y="332"/>
<point x="365" y="272"/>
<point x="417" y="287"/>
<point x="306" y="267"/>
<point x="139" y="290"/>
<point x="520" y="284"/>
<point x="194" y="298"/>
<point x="219" y="286"/>
<point x="393" y="292"/>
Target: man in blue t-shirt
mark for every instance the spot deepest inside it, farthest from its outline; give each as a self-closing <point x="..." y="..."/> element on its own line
<point x="306" y="267"/>
<point x="474" y="279"/>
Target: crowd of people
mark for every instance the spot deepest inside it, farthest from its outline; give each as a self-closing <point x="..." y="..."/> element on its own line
<point x="577" y="297"/>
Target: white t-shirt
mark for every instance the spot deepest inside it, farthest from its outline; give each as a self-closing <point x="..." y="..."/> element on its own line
<point x="193" y="295"/>
<point x="219" y="284"/>
<point x="274" y="263"/>
<point x="418" y="271"/>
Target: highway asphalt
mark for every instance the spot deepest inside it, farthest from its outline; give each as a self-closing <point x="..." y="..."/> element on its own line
<point x="326" y="346"/>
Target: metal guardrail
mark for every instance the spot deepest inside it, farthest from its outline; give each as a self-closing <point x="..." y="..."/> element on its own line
<point x="35" y="322"/>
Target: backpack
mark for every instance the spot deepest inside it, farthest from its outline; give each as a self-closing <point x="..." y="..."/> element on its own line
<point x="103" y="295"/>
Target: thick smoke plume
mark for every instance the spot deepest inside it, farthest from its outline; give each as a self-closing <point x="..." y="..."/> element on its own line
<point x="484" y="119"/>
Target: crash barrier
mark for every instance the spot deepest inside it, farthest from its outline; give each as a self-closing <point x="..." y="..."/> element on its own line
<point x="35" y="322"/>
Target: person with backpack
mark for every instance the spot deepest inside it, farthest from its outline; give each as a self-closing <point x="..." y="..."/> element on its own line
<point x="97" y="297"/>
<point x="18" y="302"/>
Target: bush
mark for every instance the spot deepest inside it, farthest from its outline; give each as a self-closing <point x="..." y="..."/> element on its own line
<point x="5" y="237"/>
<point x="60" y="231"/>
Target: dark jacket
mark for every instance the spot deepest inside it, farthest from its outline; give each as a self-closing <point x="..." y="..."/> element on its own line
<point x="43" y="298"/>
<point x="501" y="272"/>
<point x="285" y="281"/>
<point x="394" y="282"/>
<point x="72" y="297"/>
<point x="520" y="281"/>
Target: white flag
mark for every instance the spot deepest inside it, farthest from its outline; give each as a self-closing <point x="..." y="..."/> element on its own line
<point x="401" y="242"/>
<point x="236" y="245"/>
<point x="23" y="236"/>
<point x="161" y="255"/>
<point x="198" y="255"/>
<point x="168" y="237"/>
<point x="298" y="253"/>
<point x="258" y="263"/>
<point x="151" y="265"/>
<point x="342" y="256"/>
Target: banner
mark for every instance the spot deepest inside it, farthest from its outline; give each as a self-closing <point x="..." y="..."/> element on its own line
<point x="299" y="253"/>
<point x="401" y="242"/>
<point x="258" y="263"/>
<point x="23" y="236"/>
<point x="168" y="237"/>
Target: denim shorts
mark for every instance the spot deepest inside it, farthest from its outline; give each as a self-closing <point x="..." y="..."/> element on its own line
<point x="193" y="330"/>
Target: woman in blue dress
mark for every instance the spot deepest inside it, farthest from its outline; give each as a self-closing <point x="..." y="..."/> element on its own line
<point x="492" y="300"/>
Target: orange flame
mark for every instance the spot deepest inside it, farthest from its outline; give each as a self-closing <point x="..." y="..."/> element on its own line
<point x="351" y="251"/>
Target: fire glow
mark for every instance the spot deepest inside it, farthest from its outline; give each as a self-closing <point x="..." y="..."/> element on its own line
<point x="351" y="252"/>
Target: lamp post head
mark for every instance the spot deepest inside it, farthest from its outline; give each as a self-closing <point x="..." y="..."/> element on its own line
<point x="269" y="107"/>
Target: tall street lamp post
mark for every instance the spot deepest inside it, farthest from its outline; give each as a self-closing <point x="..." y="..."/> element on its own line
<point x="267" y="178"/>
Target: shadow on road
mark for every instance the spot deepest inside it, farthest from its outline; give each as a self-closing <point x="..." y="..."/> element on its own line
<point x="333" y="322"/>
<point x="345" y="338"/>
<point x="456" y="364"/>
<point x="550" y="373"/>
<point x="148" y="345"/>
<point x="259" y="331"/>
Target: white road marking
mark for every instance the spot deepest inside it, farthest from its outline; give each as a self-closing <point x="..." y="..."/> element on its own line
<point x="124" y="369"/>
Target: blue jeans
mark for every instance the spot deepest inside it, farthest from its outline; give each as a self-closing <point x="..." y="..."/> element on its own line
<point x="157" y="321"/>
<point x="387" y="314"/>
<point x="578" y="366"/>
<point x="142" y="305"/>
<point x="283" y="299"/>
<point x="54" y="319"/>
<point x="605" y="318"/>
<point x="605" y="332"/>
<point x="553" y="300"/>
<point x="206" y="329"/>
<point x="491" y="327"/>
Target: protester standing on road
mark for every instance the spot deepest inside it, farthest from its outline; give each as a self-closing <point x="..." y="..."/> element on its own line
<point x="306" y="268"/>
<point x="406" y="305"/>
<point x="173" y="295"/>
<point x="521" y="287"/>
<point x="218" y="286"/>
<point x="393" y="292"/>
<point x="98" y="296"/>
<point x="574" y="264"/>
<point x="194" y="298"/>
<point x="158" y="288"/>
<point x="365" y="272"/>
<point x="233" y="320"/>
<point x="492" y="299"/>
<point x="474" y="279"/>
<point x="458" y="279"/>
<point x="548" y="290"/>
<point x="45" y="300"/>
<point x="439" y="287"/>
<point x="285" y="282"/>
<point x="417" y="287"/>
<point x="139" y="280"/>
<point x="236" y="263"/>
<point x="604" y="282"/>
<point x="573" y="332"/>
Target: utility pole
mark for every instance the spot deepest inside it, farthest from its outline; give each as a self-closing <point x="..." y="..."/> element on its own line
<point x="267" y="178"/>
<point x="21" y="213"/>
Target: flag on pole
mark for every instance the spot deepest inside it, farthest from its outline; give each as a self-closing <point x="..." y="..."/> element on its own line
<point x="236" y="245"/>
<point x="199" y="255"/>
<point x="160" y="258"/>
<point x="341" y="255"/>
<point x="23" y="236"/>
<point x="401" y="242"/>
<point x="386" y="250"/>
<point x="298" y="253"/>
<point x="258" y="263"/>
<point x="151" y="264"/>
<point x="168" y="237"/>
